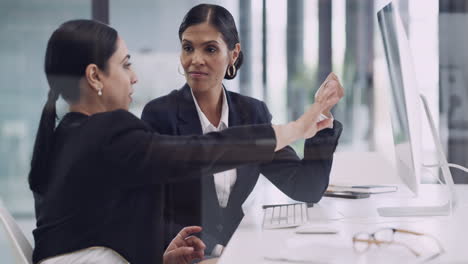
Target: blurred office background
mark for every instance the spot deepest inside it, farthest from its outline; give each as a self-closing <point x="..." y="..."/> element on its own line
<point x="290" y="47"/>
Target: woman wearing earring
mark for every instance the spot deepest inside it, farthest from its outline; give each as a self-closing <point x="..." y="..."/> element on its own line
<point x="211" y="52"/>
<point x="98" y="178"/>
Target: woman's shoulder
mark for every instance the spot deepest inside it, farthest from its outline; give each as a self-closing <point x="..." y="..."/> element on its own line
<point x="94" y="131"/>
<point x="245" y="101"/>
<point x="244" y="98"/>
<point x="116" y="120"/>
<point x="167" y="100"/>
<point x="161" y="109"/>
<point x="120" y="114"/>
<point x="77" y="119"/>
<point x="253" y="111"/>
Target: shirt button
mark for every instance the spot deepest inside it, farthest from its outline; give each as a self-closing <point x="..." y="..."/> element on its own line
<point x="219" y="227"/>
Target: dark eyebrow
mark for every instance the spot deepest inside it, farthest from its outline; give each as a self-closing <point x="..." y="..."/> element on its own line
<point x="126" y="57"/>
<point x="204" y="43"/>
<point x="210" y="42"/>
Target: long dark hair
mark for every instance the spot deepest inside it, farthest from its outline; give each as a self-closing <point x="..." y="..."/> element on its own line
<point x="71" y="48"/>
<point x="222" y="20"/>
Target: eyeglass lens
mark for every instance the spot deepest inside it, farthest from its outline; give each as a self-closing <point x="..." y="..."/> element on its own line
<point x="361" y="243"/>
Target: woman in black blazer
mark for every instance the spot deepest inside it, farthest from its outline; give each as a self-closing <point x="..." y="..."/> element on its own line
<point x="99" y="177"/>
<point x="211" y="52"/>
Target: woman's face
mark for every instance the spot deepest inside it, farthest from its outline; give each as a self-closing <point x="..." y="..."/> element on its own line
<point x="205" y="57"/>
<point x="118" y="79"/>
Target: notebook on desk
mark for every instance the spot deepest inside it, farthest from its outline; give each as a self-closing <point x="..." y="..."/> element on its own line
<point x="357" y="191"/>
<point x="366" y="189"/>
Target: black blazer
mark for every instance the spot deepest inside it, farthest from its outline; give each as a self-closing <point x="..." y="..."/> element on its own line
<point x="195" y="202"/>
<point x="105" y="182"/>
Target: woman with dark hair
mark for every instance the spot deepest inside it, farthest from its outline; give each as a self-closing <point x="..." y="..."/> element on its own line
<point x="211" y="51"/>
<point x="99" y="177"/>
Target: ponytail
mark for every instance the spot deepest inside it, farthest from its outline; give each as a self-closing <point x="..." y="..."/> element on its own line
<point x="71" y="48"/>
<point x="44" y="143"/>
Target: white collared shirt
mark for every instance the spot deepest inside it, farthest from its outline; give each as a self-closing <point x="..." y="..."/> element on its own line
<point x="93" y="255"/>
<point x="224" y="181"/>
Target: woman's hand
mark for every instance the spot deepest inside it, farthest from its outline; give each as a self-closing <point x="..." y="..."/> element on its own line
<point x="328" y="95"/>
<point x="185" y="248"/>
<point x="320" y="91"/>
<point x="307" y="126"/>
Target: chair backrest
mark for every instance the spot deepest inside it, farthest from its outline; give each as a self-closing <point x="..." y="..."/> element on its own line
<point x="21" y="247"/>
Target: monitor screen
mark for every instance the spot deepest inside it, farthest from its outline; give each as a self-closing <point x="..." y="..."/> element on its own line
<point x="404" y="96"/>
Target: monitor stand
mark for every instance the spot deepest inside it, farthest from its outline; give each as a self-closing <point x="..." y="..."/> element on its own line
<point x="444" y="209"/>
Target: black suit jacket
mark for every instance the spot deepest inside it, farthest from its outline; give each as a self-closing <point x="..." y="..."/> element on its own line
<point x="105" y="182"/>
<point x="195" y="202"/>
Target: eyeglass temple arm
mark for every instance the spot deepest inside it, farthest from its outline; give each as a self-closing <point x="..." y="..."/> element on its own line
<point x="408" y="232"/>
<point x="439" y="244"/>
<point x="379" y="242"/>
<point x="408" y="247"/>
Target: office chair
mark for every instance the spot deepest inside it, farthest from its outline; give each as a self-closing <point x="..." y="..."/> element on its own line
<point x="21" y="247"/>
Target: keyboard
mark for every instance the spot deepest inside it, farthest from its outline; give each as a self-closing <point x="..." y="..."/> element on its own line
<point x="284" y="215"/>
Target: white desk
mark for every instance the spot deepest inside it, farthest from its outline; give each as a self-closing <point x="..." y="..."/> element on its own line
<point x="250" y="244"/>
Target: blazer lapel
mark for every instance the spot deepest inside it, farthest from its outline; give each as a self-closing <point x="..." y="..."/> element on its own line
<point x="189" y="122"/>
<point x="237" y="117"/>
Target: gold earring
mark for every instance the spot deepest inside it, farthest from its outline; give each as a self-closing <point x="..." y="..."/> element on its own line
<point x="178" y="70"/>
<point x="229" y="73"/>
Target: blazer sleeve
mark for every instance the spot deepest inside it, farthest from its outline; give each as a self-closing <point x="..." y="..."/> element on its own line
<point x="304" y="179"/>
<point x="140" y="156"/>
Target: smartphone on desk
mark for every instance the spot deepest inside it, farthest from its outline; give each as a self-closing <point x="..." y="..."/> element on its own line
<point x="347" y="195"/>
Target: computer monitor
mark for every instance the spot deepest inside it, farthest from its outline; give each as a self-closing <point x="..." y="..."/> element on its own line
<point x="406" y="121"/>
<point x="404" y="101"/>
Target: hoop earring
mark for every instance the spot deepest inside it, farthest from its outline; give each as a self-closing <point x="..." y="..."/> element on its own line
<point x="233" y="73"/>
<point x="178" y="70"/>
